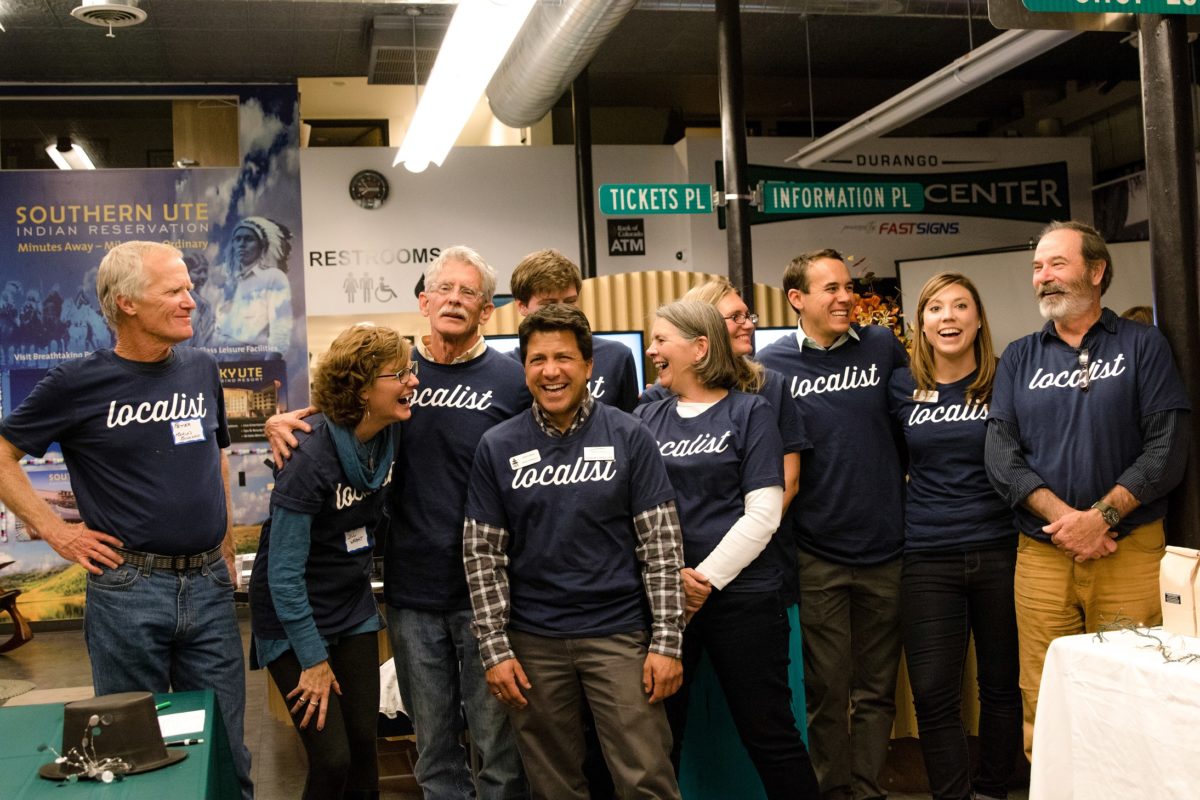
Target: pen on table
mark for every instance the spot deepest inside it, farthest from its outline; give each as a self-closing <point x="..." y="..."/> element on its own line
<point x="183" y="742"/>
<point x="162" y="705"/>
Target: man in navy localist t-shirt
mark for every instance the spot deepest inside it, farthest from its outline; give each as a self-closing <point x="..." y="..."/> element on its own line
<point x="847" y="522"/>
<point x="1087" y="433"/>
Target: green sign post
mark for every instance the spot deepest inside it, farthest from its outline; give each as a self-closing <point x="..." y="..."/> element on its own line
<point x="781" y="197"/>
<point x="628" y="199"/>
<point x="1115" y="6"/>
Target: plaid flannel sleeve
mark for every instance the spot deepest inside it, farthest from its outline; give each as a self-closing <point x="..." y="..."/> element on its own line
<point x="485" y="558"/>
<point x="660" y="550"/>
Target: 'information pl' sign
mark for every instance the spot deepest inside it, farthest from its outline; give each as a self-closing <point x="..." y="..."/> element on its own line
<point x="1115" y="6"/>
<point x="620" y="199"/>
<point x="781" y="197"/>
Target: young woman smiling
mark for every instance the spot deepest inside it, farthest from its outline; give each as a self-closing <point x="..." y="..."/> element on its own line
<point x="960" y="546"/>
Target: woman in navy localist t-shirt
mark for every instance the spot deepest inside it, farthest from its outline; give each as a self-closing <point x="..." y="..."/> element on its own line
<point x="960" y="546"/>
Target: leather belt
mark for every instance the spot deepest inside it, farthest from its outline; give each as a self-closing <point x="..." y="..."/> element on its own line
<point x="173" y="563"/>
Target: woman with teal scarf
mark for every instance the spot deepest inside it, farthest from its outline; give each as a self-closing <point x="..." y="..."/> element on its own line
<point x="313" y="615"/>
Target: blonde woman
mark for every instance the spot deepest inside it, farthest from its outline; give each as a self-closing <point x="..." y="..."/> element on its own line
<point x="960" y="546"/>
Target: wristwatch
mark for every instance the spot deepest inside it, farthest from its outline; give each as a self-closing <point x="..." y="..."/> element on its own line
<point x="1112" y="517"/>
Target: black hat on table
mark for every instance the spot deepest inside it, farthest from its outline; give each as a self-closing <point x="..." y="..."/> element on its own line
<point x="120" y="728"/>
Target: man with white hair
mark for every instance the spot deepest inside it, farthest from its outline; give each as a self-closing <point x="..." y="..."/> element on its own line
<point x="1087" y="432"/>
<point x="466" y="389"/>
<point x="142" y="430"/>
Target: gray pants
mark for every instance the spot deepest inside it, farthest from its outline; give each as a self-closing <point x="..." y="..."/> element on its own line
<point x="634" y="735"/>
<point x="850" y="619"/>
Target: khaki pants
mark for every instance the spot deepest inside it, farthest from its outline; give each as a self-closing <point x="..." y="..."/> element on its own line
<point x="1056" y="596"/>
<point x="633" y="734"/>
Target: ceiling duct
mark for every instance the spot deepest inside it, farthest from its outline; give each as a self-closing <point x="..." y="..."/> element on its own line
<point x="557" y="42"/>
<point x="403" y="49"/>
<point x="109" y="15"/>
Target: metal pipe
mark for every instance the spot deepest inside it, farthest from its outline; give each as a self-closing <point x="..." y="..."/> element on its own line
<point x="1174" y="254"/>
<point x="585" y="198"/>
<point x="733" y="148"/>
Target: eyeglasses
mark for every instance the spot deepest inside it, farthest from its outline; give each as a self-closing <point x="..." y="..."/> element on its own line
<point x="740" y="319"/>
<point x="1085" y="376"/>
<point x="465" y="292"/>
<point x="411" y="369"/>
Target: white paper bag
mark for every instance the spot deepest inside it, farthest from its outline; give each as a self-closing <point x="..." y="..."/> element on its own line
<point x="1179" y="584"/>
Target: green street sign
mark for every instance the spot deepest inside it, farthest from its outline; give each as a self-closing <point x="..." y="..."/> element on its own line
<point x="1115" y="6"/>
<point x="780" y="197"/>
<point x="627" y="199"/>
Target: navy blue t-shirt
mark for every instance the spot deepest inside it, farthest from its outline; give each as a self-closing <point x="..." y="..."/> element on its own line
<point x="338" y="570"/>
<point x="714" y="460"/>
<point x="849" y="509"/>
<point x="787" y="416"/>
<point x="568" y="505"/>
<point x="614" y="376"/>
<point x="950" y="506"/>
<point x="1080" y="442"/>
<point x="452" y="409"/>
<point x="142" y="442"/>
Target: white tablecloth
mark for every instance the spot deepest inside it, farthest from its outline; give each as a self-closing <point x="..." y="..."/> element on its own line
<point x="1115" y="720"/>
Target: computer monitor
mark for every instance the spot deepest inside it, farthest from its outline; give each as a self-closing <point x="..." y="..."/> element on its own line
<point x="634" y="340"/>
<point x="764" y="336"/>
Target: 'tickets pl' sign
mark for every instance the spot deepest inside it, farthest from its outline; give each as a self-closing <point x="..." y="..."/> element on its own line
<point x="621" y="199"/>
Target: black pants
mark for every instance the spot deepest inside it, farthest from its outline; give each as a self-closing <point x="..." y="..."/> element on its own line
<point x="943" y="598"/>
<point x="342" y="757"/>
<point x="746" y="637"/>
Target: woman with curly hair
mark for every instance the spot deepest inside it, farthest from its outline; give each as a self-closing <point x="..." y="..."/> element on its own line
<point x="313" y="615"/>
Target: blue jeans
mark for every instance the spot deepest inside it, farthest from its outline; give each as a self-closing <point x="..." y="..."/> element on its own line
<point x="943" y="598"/>
<point x="440" y="673"/>
<point x="158" y="630"/>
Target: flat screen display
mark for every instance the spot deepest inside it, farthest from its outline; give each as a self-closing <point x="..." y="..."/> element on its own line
<point x="631" y="339"/>
<point x="764" y="336"/>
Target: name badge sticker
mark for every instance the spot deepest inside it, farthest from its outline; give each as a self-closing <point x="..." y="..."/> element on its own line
<point x="357" y="540"/>
<point x="186" y="431"/>
<point x="525" y="459"/>
<point x="599" y="453"/>
<point x="925" y="396"/>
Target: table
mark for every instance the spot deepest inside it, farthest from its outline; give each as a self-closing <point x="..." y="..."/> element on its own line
<point x="1115" y="720"/>
<point x="207" y="773"/>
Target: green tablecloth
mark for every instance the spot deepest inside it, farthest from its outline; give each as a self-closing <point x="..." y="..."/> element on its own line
<point x="206" y="774"/>
<point x="714" y="765"/>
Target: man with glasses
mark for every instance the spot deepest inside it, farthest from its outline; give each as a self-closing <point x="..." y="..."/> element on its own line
<point x="1086" y="435"/>
<point x="547" y="276"/>
<point x="466" y="389"/>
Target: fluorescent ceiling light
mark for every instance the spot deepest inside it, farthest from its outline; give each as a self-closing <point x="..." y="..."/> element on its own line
<point x="69" y="156"/>
<point x="479" y="35"/>
<point x="977" y="67"/>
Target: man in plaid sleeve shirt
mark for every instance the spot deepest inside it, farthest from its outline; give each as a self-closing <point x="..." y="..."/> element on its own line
<point x="573" y="554"/>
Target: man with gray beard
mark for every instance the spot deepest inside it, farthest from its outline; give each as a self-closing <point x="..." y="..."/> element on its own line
<point x="1086" y="435"/>
<point x="573" y="554"/>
